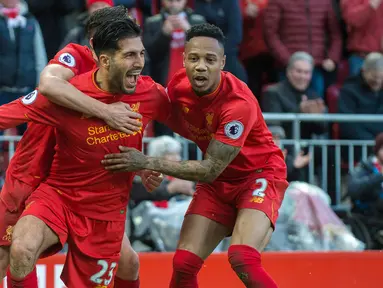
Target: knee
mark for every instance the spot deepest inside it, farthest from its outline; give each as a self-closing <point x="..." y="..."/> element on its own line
<point x="22" y="254"/>
<point x="129" y="266"/>
<point x="186" y="262"/>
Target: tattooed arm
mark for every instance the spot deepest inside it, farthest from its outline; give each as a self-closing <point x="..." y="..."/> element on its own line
<point x="218" y="157"/>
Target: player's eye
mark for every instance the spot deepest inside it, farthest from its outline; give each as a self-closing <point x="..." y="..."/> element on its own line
<point x="210" y="60"/>
<point x="193" y="59"/>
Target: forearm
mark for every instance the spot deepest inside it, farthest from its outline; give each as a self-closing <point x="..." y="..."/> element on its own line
<point x="188" y="170"/>
<point x="64" y="94"/>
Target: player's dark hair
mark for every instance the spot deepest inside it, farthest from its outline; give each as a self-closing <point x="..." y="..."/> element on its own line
<point x="103" y="15"/>
<point x="206" y="30"/>
<point x="110" y="33"/>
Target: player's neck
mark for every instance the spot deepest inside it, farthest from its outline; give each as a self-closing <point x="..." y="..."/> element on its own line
<point x="101" y="79"/>
<point x="210" y="91"/>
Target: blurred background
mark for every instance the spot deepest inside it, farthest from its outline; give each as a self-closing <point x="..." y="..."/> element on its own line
<point x="316" y="68"/>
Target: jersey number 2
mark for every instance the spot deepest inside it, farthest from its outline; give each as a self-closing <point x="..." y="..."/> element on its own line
<point x="98" y="278"/>
<point x="260" y="192"/>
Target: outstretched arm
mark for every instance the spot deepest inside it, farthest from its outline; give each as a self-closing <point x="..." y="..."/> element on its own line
<point x="218" y="157"/>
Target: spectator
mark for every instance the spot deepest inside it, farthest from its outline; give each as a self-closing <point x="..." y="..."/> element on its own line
<point x="293" y="95"/>
<point x="253" y="51"/>
<point x="164" y="39"/>
<point x="22" y="51"/>
<point x="226" y="14"/>
<point x="294" y="164"/>
<point x="170" y="149"/>
<point x="78" y="34"/>
<point x="363" y="94"/>
<point x="292" y="26"/>
<point x="365" y="184"/>
<point x="365" y="30"/>
<point x="51" y="17"/>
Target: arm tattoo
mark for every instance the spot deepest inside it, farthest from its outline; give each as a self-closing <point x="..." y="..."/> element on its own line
<point x="218" y="157"/>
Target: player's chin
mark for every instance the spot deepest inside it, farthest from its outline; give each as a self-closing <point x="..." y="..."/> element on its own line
<point x="129" y="89"/>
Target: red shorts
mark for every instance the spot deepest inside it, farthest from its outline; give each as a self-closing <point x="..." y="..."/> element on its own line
<point x="93" y="245"/>
<point x="12" y="203"/>
<point x="220" y="201"/>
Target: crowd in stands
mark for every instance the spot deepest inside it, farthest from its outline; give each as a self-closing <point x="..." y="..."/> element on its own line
<point x="305" y="56"/>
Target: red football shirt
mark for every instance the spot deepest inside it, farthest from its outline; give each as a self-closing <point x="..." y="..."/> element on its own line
<point x="231" y="115"/>
<point x="82" y="142"/>
<point x="34" y="153"/>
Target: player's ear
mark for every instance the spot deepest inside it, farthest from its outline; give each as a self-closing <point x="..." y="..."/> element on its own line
<point x="104" y="61"/>
<point x="223" y="62"/>
<point x="91" y="42"/>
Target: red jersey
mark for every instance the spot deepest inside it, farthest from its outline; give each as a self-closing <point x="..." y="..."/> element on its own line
<point x="34" y="153"/>
<point x="231" y="115"/>
<point x="82" y="142"/>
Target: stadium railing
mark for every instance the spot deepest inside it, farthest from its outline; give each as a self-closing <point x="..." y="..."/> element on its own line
<point x="341" y="149"/>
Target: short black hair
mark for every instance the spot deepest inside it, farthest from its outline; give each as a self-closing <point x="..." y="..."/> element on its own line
<point x="103" y="15"/>
<point x="110" y="33"/>
<point x="206" y="30"/>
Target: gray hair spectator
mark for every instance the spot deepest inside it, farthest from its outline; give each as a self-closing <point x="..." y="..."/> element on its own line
<point x="363" y="94"/>
<point x="165" y="146"/>
<point x="293" y="95"/>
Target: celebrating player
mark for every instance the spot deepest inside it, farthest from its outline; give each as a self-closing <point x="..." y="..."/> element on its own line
<point x="87" y="187"/>
<point x="242" y="177"/>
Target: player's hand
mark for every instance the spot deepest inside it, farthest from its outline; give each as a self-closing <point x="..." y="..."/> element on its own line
<point x="121" y="117"/>
<point x="129" y="160"/>
<point x="151" y="179"/>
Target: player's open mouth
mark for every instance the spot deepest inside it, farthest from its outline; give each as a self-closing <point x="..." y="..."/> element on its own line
<point x="200" y="80"/>
<point x="131" y="78"/>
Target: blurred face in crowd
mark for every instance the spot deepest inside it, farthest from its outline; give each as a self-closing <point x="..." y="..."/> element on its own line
<point x="174" y="6"/>
<point x="374" y="79"/>
<point x="299" y="75"/>
<point x="204" y="60"/>
<point x="97" y="6"/>
<point x="124" y="65"/>
<point x="9" y="3"/>
<point x="277" y="140"/>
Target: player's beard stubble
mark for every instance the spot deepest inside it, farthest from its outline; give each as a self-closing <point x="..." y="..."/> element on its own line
<point x="118" y="76"/>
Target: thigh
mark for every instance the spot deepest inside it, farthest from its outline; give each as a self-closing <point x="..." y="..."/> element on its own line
<point x="258" y="211"/>
<point x="93" y="252"/>
<point x="43" y="221"/>
<point x="207" y="221"/>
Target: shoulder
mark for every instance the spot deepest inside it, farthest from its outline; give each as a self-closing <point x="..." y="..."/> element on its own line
<point x="236" y="90"/>
<point x="178" y="83"/>
<point x="73" y="53"/>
